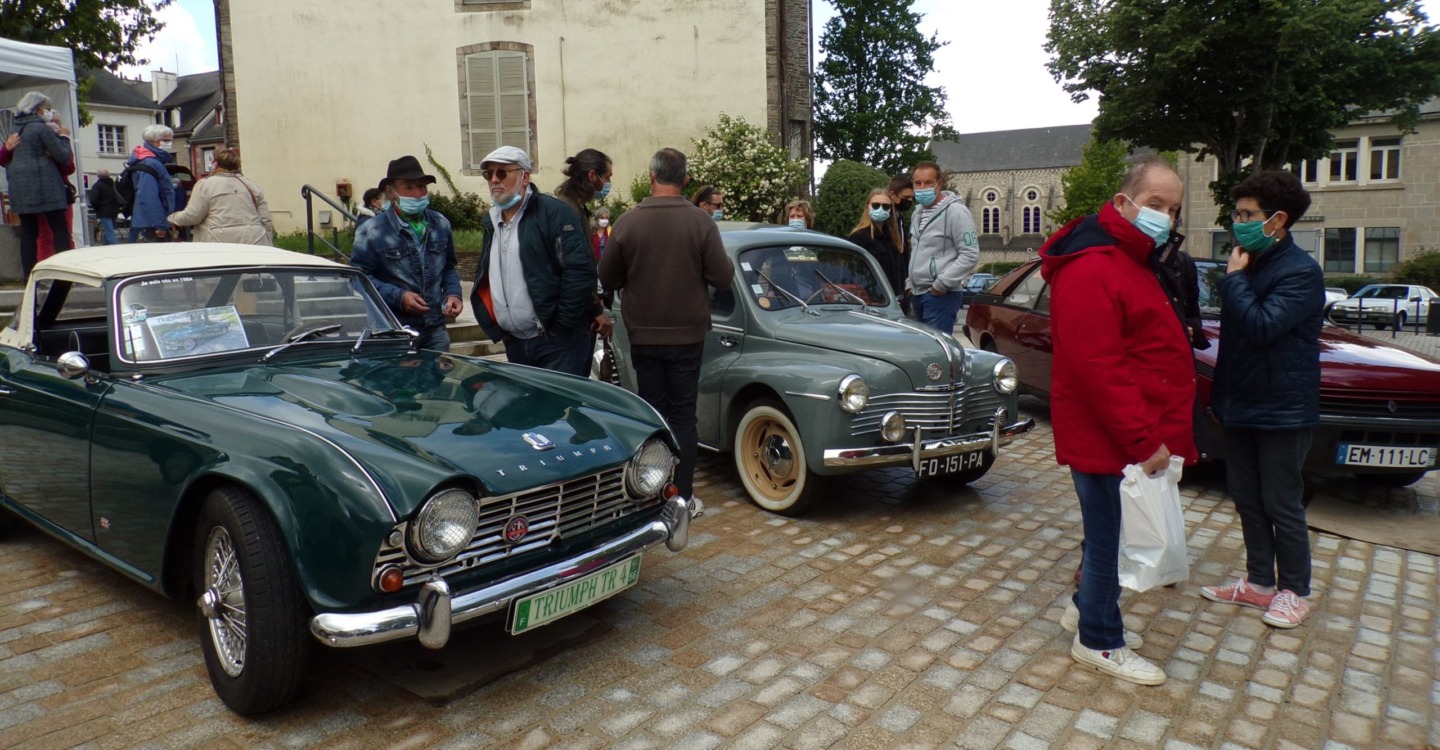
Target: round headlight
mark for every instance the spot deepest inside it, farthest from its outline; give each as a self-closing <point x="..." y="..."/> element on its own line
<point x="650" y="469"/>
<point x="443" y="526"/>
<point x="853" y="393"/>
<point x="892" y="426"/>
<point x="1007" y="378"/>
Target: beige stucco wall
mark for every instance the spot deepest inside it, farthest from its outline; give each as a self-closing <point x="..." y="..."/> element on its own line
<point x="87" y="140"/>
<point x="1411" y="203"/>
<point x="332" y="89"/>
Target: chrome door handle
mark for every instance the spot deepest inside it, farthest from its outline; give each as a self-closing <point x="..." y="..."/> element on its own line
<point x="6" y="391"/>
<point x="728" y="340"/>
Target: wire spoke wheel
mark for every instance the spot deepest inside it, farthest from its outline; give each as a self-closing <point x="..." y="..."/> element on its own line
<point x="224" y="601"/>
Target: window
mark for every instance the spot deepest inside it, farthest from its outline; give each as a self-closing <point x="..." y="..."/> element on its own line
<point x="990" y="220"/>
<point x="1028" y="292"/>
<point x="1220" y="244"/>
<point x="499" y="104"/>
<point x="112" y="139"/>
<point x="1032" y="219"/>
<point x="1308" y="170"/>
<point x="1032" y="195"/>
<point x="1344" y="161"/>
<point x="991" y="196"/>
<point x="1340" y="249"/>
<point x="1382" y="248"/>
<point x="1384" y="161"/>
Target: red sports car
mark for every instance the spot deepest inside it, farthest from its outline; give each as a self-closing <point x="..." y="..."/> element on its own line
<point x="1379" y="404"/>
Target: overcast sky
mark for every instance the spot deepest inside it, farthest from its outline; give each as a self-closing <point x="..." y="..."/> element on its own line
<point x="992" y="69"/>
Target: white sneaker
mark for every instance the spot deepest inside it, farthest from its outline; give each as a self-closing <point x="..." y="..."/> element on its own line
<point x="1122" y="663"/>
<point x="697" y="508"/>
<point x="1071" y="622"/>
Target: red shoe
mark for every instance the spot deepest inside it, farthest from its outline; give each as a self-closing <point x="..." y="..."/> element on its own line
<point x="1238" y="592"/>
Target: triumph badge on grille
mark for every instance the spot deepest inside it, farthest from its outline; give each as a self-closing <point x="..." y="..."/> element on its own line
<point x="537" y="441"/>
<point x="933" y="371"/>
<point x="516" y="529"/>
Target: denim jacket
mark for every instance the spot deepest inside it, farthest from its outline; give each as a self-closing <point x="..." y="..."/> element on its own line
<point x="387" y="249"/>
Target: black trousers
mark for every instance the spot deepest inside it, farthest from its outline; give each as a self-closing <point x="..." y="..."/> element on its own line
<point x="668" y="378"/>
<point x="1263" y="475"/>
<point x="30" y="236"/>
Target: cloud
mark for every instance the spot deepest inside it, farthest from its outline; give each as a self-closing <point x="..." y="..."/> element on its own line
<point x="181" y="42"/>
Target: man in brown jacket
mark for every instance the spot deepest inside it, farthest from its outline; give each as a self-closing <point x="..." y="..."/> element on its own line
<point x="662" y="255"/>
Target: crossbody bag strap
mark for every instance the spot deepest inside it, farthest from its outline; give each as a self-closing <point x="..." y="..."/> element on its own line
<point x="253" y="201"/>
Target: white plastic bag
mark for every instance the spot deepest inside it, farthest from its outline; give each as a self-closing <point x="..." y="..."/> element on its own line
<point x="1152" y="528"/>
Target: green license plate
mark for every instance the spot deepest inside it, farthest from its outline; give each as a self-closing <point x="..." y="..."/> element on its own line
<point x="548" y="606"/>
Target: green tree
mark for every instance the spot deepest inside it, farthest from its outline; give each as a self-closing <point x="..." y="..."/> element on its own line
<point x="871" y="102"/>
<point x="1090" y="184"/>
<point x="1251" y="83"/>
<point x="104" y="34"/>
<point x="756" y="176"/>
<point x="841" y="193"/>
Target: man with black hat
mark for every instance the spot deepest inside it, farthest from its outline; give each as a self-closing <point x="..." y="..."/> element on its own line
<point x="535" y="287"/>
<point x="409" y="254"/>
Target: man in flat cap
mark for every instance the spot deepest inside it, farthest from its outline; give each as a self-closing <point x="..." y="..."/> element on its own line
<point x="409" y="254"/>
<point x="535" y="287"/>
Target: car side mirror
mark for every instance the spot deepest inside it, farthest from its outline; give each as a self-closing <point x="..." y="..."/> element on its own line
<point x="72" y="365"/>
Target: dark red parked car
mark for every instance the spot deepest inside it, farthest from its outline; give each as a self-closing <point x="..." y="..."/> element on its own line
<point x="1379" y="404"/>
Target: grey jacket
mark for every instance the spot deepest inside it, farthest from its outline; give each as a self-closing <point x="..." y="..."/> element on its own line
<point x="36" y="185"/>
<point x="946" y="250"/>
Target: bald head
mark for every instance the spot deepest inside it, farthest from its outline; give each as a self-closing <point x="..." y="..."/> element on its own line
<point x="102" y="173"/>
<point x="1151" y="183"/>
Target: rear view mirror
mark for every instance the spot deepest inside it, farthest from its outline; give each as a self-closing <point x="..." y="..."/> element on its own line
<point x="254" y="285"/>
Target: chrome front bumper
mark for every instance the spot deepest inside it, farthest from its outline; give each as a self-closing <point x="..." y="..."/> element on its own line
<point x="919" y="449"/>
<point x="436" y="609"/>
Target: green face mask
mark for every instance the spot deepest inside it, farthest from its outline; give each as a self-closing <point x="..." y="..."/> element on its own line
<point x="1251" y="236"/>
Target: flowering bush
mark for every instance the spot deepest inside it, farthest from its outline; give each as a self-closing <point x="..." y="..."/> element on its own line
<point x="757" y="177"/>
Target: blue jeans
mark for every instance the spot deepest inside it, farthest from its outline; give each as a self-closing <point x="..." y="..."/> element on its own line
<point x="568" y="352"/>
<point x="434" y="337"/>
<point x="1098" y="597"/>
<point x="1263" y="474"/>
<point x="938" y="312"/>
<point x="107" y="231"/>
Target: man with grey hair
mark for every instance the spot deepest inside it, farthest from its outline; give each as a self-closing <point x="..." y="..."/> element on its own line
<point x="154" y="194"/>
<point x="662" y="256"/>
<point x="535" y="286"/>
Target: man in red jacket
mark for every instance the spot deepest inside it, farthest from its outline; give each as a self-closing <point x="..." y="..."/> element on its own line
<point x="1123" y="388"/>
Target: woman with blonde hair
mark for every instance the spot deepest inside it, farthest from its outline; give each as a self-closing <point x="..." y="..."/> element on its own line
<point x="878" y="233"/>
<point x="798" y="214"/>
<point x="227" y="206"/>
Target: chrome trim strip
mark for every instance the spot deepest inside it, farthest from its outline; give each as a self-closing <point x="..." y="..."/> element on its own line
<point x="817" y="397"/>
<point x="725" y="328"/>
<point x="435" y="611"/>
<point x="919" y="450"/>
<point x="1382" y="423"/>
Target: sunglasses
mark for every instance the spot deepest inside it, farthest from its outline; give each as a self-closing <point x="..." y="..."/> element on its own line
<point x="498" y="174"/>
<point x="878" y="206"/>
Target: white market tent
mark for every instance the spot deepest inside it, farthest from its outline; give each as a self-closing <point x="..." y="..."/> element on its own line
<point x="51" y="71"/>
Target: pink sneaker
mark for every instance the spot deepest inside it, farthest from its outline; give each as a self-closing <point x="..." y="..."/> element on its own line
<point x="1288" y="610"/>
<point x="1238" y="592"/>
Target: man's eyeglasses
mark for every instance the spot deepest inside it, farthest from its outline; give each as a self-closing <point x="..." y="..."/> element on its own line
<point x="1238" y="217"/>
<point x="878" y="206"/>
<point x="498" y="174"/>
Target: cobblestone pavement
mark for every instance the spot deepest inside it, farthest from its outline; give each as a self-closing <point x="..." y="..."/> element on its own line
<point x="899" y="615"/>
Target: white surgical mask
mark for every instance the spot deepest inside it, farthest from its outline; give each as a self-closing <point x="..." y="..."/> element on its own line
<point x="49" y="115"/>
<point x="603" y="223"/>
<point x="167" y="145"/>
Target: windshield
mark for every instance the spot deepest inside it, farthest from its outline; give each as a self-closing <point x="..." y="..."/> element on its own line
<point x="195" y="314"/>
<point x="1382" y="292"/>
<point x="777" y="276"/>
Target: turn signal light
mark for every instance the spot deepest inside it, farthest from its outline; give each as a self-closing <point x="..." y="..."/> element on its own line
<point x="391" y="579"/>
<point x="670" y="491"/>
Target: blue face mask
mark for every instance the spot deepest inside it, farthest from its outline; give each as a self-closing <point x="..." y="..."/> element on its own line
<point x="413" y="206"/>
<point x="926" y="197"/>
<point x="508" y="203"/>
<point x="717" y="214"/>
<point x="797" y="224"/>
<point x="602" y="192"/>
<point x="879" y="215"/>
<point x="1155" y="224"/>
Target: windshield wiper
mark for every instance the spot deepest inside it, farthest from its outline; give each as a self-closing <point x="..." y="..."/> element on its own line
<point x="782" y="289"/>
<point x="296" y="338"/>
<point x="863" y="304"/>
<point x="385" y="333"/>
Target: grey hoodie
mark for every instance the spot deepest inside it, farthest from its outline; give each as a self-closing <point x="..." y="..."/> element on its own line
<point x="946" y="249"/>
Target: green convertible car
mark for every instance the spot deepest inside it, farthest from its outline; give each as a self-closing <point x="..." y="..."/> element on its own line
<point x="811" y="369"/>
<point x="301" y="472"/>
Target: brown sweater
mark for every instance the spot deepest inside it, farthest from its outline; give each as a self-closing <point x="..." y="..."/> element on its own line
<point x="662" y="255"/>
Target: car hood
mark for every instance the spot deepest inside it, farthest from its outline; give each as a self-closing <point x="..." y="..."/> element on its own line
<point x="905" y="344"/>
<point x="1358" y="363"/>
<point x="418" y="420"/>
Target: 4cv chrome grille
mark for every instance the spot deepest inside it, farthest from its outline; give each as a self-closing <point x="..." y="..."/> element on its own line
<point x="554" y="512"/>
<point x="939" y="410"/>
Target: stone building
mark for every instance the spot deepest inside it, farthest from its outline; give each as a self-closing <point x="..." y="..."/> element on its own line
<point x="324" y="91"/>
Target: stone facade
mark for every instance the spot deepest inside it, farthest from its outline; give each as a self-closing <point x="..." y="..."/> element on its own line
<point x="1010" y="208"/>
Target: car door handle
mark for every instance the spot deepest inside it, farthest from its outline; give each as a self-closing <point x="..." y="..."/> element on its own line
<point x="728" y="340"/>
<point x="5" y="391"/>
